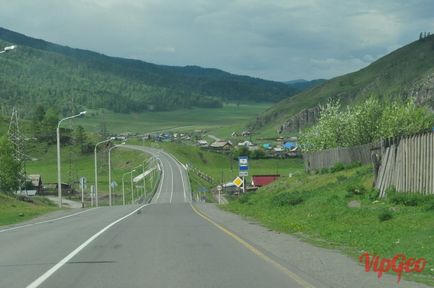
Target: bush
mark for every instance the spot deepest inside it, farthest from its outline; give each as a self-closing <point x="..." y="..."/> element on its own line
<point x="356" y="190"/>
<point x="364" y="123"/>
<point x="287" y="199"/>
<point x="385" y="215"/>
<point x="337" y="167"/>
<point x="406" y="199"/>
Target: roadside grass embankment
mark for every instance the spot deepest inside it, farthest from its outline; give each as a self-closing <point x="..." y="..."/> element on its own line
<point x="13" y="211"/>
<point x="316" y="208"/>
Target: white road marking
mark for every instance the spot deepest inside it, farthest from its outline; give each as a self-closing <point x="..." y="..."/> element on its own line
<point x="173" y="187"/>
<point x="46" y="221"/>
<point x="161" y="181"/>
<point x="65" y="260"/>
<point x="183" y="183"/>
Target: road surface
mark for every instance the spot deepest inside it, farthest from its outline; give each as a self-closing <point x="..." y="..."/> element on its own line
<point x="166" y="243"/>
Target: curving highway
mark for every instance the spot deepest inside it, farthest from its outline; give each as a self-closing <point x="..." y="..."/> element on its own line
<point x="166" y="243"/>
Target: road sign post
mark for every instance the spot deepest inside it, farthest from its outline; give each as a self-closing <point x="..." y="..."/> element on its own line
<point x="243" y="163"/>
<point x="219" y="188"/>
<point x="82" y="185"/>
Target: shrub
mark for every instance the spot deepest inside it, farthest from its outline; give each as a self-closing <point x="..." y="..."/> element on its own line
<point x="406" y="199"/>
<point x="287" y="199"/>
<point x="385" y="215"/>
<point x="355" y="190"/>
<point x="337" y="167"/>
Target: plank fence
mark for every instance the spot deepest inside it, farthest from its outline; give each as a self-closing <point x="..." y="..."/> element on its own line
<point x="408" y="165"/>
<point x="314" y="161"/>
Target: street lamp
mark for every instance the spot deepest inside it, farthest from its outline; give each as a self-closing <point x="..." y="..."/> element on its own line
<point x="8" y="48"/>
<point x="110" y="172"/>
<point x="59" y="182"/>
<point x="123" y="184"/>
<point x="96" y="168"/>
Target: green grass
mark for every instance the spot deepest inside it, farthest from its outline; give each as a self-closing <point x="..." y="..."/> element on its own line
<point x="76" y="165"/>
<point x="315" y="208"/>
<point x="13" y="211"/>
<point x="221" y="122"/>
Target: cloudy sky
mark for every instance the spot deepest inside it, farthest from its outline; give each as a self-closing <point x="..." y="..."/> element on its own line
<point x="272" y="39"/>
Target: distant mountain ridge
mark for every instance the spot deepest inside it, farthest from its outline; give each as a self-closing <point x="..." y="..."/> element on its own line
<point x="406" y="72"/>
<point x="57" y="75"/>
<point x="301" y="84"/>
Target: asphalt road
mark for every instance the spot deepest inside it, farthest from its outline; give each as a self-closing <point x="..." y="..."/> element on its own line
<point x="166" y="243"/>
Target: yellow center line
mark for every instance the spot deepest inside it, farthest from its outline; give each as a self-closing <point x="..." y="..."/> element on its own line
<point x="255" y="251"/>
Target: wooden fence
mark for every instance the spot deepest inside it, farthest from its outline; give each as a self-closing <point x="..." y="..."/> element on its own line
<point x="408" y="165"/>
<point x="328" y="158"/>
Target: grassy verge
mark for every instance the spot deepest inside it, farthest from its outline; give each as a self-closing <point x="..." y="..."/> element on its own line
<point x="315" y="207"/>
<point x="13" y="211"/>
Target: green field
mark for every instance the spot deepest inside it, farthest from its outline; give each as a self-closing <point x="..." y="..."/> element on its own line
<point x="15" y="211"/>
<point x="76" y="165"/>
<point x="221" y="122"/>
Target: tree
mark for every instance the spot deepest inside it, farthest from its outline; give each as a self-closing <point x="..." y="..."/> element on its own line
<point x="365" y="123"/>
<point x="49" y="125"/>
<point x="10" y="168"/>
<point x="81" y="140"/>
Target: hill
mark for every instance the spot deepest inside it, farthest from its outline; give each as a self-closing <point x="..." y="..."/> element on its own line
<point x="406" y="72"/>
<point x="301" y="84"/>
<point x="51" y="74"/>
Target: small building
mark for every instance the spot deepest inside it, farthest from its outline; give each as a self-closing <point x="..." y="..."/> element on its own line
<point x="263" y="180"/>
<point x="290" y="145"/>
<point x="245" y="144"/>
<point x="36" y="181"/>
<point x="221" y="145"/>
<point x="202" y="143"/>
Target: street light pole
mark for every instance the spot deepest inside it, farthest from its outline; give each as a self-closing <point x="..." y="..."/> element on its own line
<point x="96" y="168"/>
<point x="59" y="181"/>
<point x="110" y="172"/>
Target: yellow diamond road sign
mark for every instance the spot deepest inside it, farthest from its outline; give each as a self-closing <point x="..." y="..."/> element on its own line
<point x="238" y="181"/>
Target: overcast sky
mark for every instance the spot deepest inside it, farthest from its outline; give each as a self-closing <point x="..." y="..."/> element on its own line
<point x="272" y="39"/>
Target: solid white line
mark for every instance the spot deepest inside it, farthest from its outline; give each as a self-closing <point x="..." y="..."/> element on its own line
<point x="173" y="187"/>
<point x="183" y="183"/>
<point x="65" y="260"/>
<point x="46" y="221"/>
<point x="161" y="181"/>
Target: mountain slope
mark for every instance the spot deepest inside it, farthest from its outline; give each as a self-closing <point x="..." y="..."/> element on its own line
<point x="50" y="74"/>
<point x="406" y="72"/>
<point x="302" y="84"/>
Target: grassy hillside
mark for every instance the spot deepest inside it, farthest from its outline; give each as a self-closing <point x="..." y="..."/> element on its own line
<point x="408" y="71"/>
<point x="49" y="74"/>
<point x="315" y="207"/>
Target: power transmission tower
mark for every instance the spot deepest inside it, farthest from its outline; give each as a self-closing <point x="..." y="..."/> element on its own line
<point x="17" y="139"/>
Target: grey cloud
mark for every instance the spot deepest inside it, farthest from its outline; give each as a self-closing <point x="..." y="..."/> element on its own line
<point x="278" y="39"/>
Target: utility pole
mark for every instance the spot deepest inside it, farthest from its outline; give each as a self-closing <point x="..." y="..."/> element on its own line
<point x="17" y="140"/>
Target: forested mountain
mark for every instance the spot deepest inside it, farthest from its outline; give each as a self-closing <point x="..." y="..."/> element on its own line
<point x="406" y="72"/>
<point x="55" y="75"/>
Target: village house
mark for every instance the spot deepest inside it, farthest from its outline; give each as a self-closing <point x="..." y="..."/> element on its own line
<point x="221" y="145"/>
